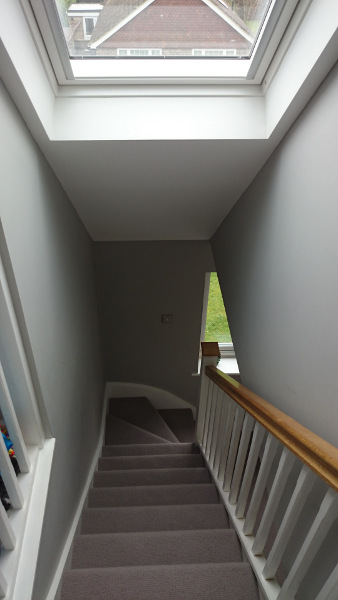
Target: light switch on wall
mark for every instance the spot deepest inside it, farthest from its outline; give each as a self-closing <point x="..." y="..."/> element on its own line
<point x="167" y="318"/>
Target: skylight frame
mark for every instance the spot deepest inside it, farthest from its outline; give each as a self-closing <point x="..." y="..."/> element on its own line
<point x="159" y="70"/>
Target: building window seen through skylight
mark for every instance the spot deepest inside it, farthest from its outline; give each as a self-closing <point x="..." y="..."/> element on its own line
<point x="175" y="28"/>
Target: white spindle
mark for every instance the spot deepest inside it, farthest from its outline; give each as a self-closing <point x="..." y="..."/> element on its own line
<point x="327" y="513"/>
<point x="12" y="424"/>
<point x="202" y="408"/>
<point x="207" y="415"/>
<point x="303" y="487"/>
<point x="241" y="458"/>
<point x="264" y="471"/>
<point x="330" y="590"/>
<point x="236" y="433"/>
<point x="211" y="429"/>
<point x="217" y="418"/>
<point x="7" y="535"/>
<point x="250" y="469"/>
<point x="9" y="477"/>
<point x="203" y="395"/>
<point x="227" y="438"/>
<point x="225" y="402"/>
<point x="285" y="465"/>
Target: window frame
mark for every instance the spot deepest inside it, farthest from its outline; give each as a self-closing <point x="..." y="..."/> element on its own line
<point x="245" y="70"/>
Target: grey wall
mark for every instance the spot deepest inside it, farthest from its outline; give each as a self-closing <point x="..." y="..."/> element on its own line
<point x="52" y="263"/>
<point x="277" y="258"/>
<point x="137" y="283"/>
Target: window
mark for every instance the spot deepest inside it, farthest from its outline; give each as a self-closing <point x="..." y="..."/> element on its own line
<point x="88" y="26"/>
<point x="215" y="326"/>
<point x="139" y="52"/>
<point x="181" y="26"/>
<point x="214" y="53"/>
<point x="240" y="35"/>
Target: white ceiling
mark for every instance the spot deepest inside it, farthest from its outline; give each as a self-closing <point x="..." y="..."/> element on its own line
<point x="192" y="156"/>
<point x="155" y="190"/>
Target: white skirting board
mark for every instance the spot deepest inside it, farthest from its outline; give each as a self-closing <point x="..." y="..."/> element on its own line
<point x="54" y="588"/>
<point x="158" y="398"/>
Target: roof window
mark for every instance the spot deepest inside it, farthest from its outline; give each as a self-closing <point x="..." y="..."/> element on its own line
<point x="176" y="27"/>
<point x="225" y="31"/>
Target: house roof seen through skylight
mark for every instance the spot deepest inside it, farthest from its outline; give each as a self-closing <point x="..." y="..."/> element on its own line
<point x="158" y="29"/>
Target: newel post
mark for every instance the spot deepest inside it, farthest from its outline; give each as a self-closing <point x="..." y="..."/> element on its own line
<point x="210" y="356"/>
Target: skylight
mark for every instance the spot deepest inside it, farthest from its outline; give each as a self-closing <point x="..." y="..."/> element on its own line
<point x="162" y="28"/>
<point x="191" y="41"/>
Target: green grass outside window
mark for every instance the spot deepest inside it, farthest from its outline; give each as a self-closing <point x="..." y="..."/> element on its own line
<point x="217" y="326"/>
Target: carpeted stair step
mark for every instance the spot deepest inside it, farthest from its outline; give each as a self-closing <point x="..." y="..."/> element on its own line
<point x="216" y="581"/>
<point x="148" y="449"/>
<point x="161" y="461"/>
<point x="181" y="422"/>
<point x="154" y="518"/>
<point x="150" y="477"/>
<point x="140" y="412"/>
<point x="156" y="548"/>
<point x="121" y="432"/>
<point x="154" y="527"/>
<point x="151" y="495"/>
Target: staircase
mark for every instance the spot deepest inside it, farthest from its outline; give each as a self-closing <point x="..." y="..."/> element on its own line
<point x="154" y="527"/>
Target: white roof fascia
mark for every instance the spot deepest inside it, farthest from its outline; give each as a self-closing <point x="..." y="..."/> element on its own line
<point x="228" y="20"/>
<point x="85" y="7"/>
<point x="83" y="14"/>
<point x="121" y="24"/>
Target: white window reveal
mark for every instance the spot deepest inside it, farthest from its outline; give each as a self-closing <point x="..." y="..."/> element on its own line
<point x="139" y="52"/>
<point x="214" y="52"/>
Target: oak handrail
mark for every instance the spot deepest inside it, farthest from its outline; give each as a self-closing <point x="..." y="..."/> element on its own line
<point x="310" y="448"/>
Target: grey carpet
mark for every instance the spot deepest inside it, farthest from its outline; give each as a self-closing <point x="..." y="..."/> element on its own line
<point x="148" y="449"/>
<point x="150" y="477"/>
<point x="160" y="461"/>
<point x="153" y="518"/>
<point x="225" y="581"/>
<point x="140" y="412"/>
<point x="181" y="422"/>
<point x="156" y="548"/>
<point x="154" y="527"/>
<point x="153" y="495"/>
<point x="121" y="432"/>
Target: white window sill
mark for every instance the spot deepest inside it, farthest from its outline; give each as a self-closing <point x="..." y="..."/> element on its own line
<point x="228" y="366"/>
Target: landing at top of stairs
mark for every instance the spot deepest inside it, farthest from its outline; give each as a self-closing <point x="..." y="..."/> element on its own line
<point x="181" y="422"/>
<point x="119" y="431"/>
<point x="140" y="412"/>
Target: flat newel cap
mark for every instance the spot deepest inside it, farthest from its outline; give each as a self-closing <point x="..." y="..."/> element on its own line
<point x="210" y="349"/>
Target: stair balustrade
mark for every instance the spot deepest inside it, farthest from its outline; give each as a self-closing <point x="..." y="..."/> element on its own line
<point x="279" y="483"/>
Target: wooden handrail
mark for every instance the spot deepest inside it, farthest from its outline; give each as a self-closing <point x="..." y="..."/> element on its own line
<point x="311" y="449"/>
